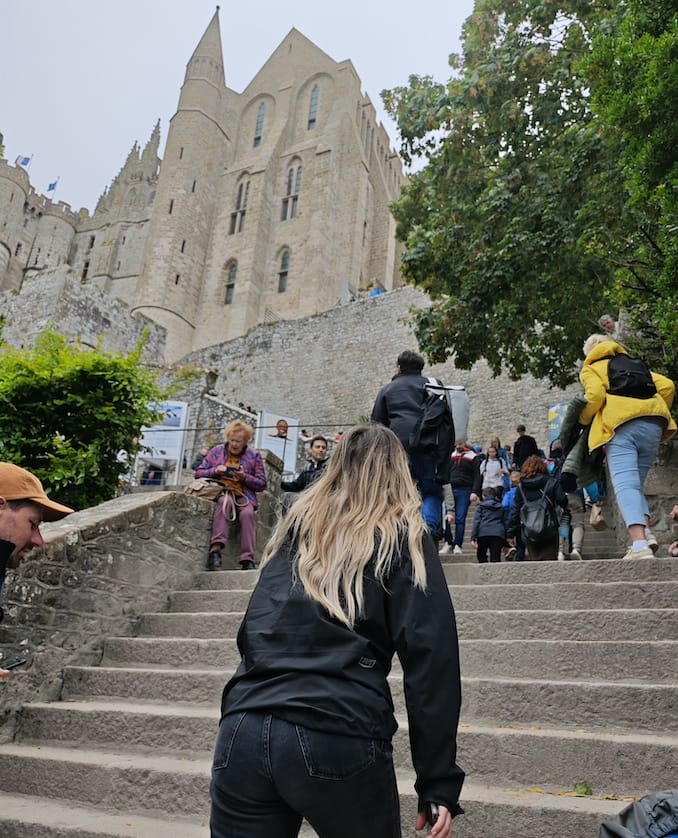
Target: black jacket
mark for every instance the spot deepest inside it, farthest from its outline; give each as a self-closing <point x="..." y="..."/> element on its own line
<point x="398" y="404"/>
<point x="488" y="519"/>
<point x="532" y="487"/>
<point x="301" y="665"/>
<point x="312" y="472"/>
<point x="524" y="447"/>
<point x="465" y="471"/>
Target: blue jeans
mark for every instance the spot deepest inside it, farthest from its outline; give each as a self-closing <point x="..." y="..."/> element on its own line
<point x="423" y="472"/>
<point x="630" y="453"/>
<point x="268" y="774"/>
<point x="462" y="501"/>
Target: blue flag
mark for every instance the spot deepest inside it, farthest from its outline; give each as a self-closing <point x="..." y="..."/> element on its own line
<point x="52" y="186"/>
<point x="22" y="161"/>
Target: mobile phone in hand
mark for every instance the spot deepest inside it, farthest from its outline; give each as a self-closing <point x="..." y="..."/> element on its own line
<point x="12" y="663"/>
<point x="431" y="813"/>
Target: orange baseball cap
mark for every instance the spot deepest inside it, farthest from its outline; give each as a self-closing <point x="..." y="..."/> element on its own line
<point x="18" y="484"/>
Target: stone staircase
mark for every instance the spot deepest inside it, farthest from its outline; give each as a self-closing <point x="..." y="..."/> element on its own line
<point x="570" y="675"/>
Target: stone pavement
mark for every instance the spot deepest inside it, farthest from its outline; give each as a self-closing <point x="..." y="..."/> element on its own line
<point x="570" y="675"/>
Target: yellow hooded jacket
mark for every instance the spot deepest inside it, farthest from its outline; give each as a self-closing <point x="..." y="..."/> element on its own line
<point x="605" y="412"/>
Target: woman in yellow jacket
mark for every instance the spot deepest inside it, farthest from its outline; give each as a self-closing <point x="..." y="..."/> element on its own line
<point x="631" y="430"/>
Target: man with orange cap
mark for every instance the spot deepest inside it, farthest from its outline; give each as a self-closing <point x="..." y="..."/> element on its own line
<point x="23" y="506"/>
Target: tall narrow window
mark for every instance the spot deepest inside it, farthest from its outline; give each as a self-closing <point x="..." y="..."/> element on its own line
<point x="313" y="107"/>
<point x="259" y="128"/>
<point x="241" y="201"/>
<point x="171" y="206"/>
<point x="231" y="272"/>
<point x="283" y="272"/>
<point x="289" y="202"/>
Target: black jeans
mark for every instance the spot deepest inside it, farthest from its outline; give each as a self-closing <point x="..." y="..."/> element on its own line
<point x="493" y="543"/>
<point x="268" y="774"/>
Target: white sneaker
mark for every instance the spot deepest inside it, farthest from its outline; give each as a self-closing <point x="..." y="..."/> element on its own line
<point x="561" y="556"/>
<point x="446" y="548"/>
<point x="575" y="555"/>
<point x="652" y="542"/>
<point x="457" y="550"/>
<point x="643" y="553"/>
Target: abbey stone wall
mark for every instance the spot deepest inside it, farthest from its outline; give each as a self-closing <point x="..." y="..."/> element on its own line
<point x="326" y="370"/>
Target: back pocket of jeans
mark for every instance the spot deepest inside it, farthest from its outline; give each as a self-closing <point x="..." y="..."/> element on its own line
<point x="331" y="756"/>
<point x="228" y="730"/>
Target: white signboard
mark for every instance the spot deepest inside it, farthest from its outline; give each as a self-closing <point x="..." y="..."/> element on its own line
<point x="162" y="444"/>
<point x="280" y="435"/>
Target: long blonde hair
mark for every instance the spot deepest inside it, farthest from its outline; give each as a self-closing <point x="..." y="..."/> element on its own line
<point x="364" y="505"/>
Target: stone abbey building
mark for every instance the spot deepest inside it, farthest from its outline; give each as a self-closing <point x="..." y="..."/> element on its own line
<point x="270" y="204"/>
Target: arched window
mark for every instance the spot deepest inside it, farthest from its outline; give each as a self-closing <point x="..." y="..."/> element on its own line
<point x="259" y="128"/>
<point x="313" y="107"/>
<point x="238" y="215"/>
<point x="283" y="272"/>
<point x="230" y="270"/>
<point x="291" y="199"/>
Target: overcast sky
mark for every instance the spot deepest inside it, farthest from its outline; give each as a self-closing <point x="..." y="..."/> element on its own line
<point x="81" y="80"/>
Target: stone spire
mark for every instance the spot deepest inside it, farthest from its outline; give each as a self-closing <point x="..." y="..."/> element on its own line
<point x="150" y="153"/>
<point x="207" y="61"/>
<point x="139" y="166"/>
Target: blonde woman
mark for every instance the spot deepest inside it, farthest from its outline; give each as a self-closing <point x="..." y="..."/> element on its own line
<point x="350" y="577"/>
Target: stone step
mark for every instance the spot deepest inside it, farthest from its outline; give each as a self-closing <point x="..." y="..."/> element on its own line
<point x="556" y="595"/>
<point x="26" y="816"/>
<point x="617" y="624"/>
<point x="654" y="661"/>
<point x="621" y="763"/>
<point x="98" y="781"/>
<point x="505" y="573"/>
<point x="559" y="659"/>
<point x="155" y="785"/>
<point x="617" y="704"/>
<point x="521" y="573"/>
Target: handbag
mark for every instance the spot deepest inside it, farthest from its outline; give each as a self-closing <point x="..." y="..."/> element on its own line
<point x="598" y="521"/>
<point x="203" y="487"/>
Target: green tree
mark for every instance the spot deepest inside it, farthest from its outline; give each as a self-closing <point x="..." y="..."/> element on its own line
<point x="65" y="412"/>
<point x="518" y="225"/>
<point x="633" y="71"/>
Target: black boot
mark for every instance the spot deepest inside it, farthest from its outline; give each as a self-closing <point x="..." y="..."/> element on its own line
<point x="214" y="560"/>
<point x="248" y="564"/>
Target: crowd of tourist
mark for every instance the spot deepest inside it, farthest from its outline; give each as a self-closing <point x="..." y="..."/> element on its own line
<point x="351" y="576"/>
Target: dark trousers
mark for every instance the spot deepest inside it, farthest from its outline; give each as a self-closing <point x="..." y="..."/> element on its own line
<point x="493" y="543"/>
<point x="268" y="774"/>
<point x="462" y="501"/>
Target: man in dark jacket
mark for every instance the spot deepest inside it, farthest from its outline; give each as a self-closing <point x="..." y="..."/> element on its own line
<point x="398" y="406"/>
<point x="317" y="461"/>
<point x="523" y="448"/>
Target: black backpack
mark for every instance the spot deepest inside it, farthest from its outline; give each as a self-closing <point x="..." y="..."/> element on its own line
<point x="538" y="519"/>
<point x="433" y="433"/>
<point x="629" y="377"/>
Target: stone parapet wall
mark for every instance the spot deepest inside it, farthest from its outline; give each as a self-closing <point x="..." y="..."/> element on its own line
<point x="100" y="570"/>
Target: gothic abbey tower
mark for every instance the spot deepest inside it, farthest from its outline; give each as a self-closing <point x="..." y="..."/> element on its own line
<point x="268" y="204"/>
